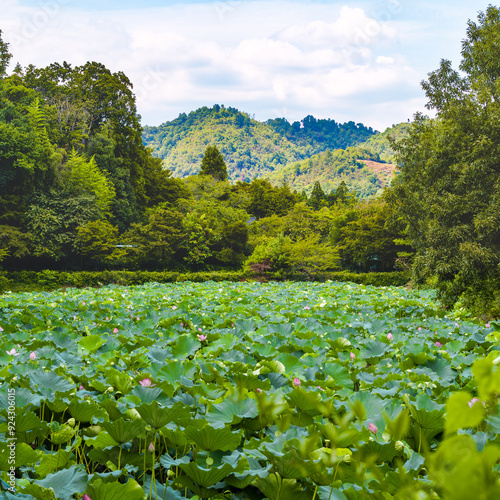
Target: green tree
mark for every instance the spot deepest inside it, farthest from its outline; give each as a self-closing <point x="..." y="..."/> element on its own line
<point x="13" y="243"/>
<point x="5" y="55"/>
<point x="449" y="185"/>
<point x="82" y="177"/>
<point x="366" y="243"/>
<point x="97" y="240"/>
<point x="155" y="244"/>
<point x="317" y="198"/>
<point x="54" y="219"/>
<point x="213" y="164"/>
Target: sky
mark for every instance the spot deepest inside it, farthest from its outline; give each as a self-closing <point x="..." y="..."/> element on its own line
<point x="344" y="60"/>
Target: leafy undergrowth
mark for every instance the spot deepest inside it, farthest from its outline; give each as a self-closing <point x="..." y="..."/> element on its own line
<point x="284" y="391"/>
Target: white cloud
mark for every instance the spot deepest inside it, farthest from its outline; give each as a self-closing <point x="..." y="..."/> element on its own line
<point x="262" y="57"/>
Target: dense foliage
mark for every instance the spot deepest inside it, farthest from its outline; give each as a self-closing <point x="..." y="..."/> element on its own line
<point x="331" y="168"/>
<point x="80" y="190"/>
<point x="300" y="391"/>
<point x="448" y="191"/>
<point x="250" y="148"/>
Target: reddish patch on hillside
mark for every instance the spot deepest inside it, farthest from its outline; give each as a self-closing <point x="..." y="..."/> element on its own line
<point x="384" y="171"/>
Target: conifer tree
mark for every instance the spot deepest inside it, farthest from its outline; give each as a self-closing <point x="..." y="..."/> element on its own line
<point x="213" y="164"/>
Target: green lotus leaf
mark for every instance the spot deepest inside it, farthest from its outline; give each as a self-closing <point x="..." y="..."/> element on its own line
<point x="123" y="431"/>
<point x="174" y="370"/>
<point x="442" y="369"/>
<point x="340" y="375"/>
<point x="52" y="462"/>
<point x="84" y="411"/>
<point x="91" y="343"/>
<point x="210" y="439"/>
<point x="185" y="345"/>
<point x="35" y="491"/>
<point x="463" y="412"/>
<point x="120" y="381"/>
<point x="252" y="470"/>
<point x="158" y="417"/>
<point x="168" y="462"/>
<point x="377" y="451"/>
<point x="47" y="383"/>
<point x="146" y="395"/>
<point x="102" y="440"/>
<point x="374" y="349"/>
<point x="197" y="490"/>
<point x="24" y="397"/>
<point x="367" y="406"/>
<point x="206" y="477"/>
<point x="232" y="410"/>
<point x="28" y="421"/>
<point x="24" y="454"/>
<point x="131" y="490"/>
<point x="57" y="403"/>
<point x="460" y="471"/>
<point x="65" y="483"/>
<point x="286" y="489"/>
<point x="174" y="436"/>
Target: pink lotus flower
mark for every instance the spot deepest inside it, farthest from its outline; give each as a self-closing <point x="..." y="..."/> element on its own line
<point x="202" y="337"/>
<point x="182" y="324"/>
<point x="296" y="382"/>
<point x="81" y="388"/>
<point x="151" y="448"/>
<point x="115" y="330"/>
<point x="174" y="308"/>
<point x="419" y="328"/>
<point x="1" y="329"/>
<point x="473" y="401"/>
<point x="86" y="497"/>
<point x="146" y="382"/>
<point x="438" y="344"/>
<point x="74" y="318"/>
<point x="199" y="329"/>
<point x="390" y="336"/>
<point x="488" y="325"/>
<point x="232" y="324"/>
<point x="259" y="390"/>
<point x="352" y="355"/>
<point x="320" y="388"/>
<point x="307" y="307"/>
<point x="12" y="352"/>
<point x="372" y="428"/>
<point x="32" y="356"/>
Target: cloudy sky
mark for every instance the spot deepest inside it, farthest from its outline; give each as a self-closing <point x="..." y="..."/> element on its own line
<point x="346" y="60"/>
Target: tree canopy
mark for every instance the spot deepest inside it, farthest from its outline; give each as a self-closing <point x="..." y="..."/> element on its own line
<point x="213" y="164"/>
<point x="448" y="191"/>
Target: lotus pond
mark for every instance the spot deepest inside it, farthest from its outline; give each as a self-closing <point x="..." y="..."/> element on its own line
<point x="291" y="391"/>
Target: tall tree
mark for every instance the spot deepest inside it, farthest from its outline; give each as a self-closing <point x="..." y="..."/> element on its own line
<point x="5" y="55"/>
<point x="448" y="191"/>
<point x="213" y="164"/>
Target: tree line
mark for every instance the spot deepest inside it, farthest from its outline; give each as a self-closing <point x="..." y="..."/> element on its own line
<point x="78" y="188"/>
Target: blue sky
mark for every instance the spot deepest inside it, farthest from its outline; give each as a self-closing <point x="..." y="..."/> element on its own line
<point x="350" y="60"/>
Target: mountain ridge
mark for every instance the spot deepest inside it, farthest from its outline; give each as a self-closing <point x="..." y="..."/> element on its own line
<point x="253" y="149"/>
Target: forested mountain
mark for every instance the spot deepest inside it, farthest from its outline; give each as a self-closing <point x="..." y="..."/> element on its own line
<point x="381" y="145"/>
<point x="355" y="166"/>
<point x="250" y="148"/>
<point x="79" y="189"/>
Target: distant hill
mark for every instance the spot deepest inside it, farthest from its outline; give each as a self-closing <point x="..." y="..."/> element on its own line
<point x="380" y="144"/>
<point x="359" y="168"/>
<point x="250" y="148"/>
<point x="298" y="153"/>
